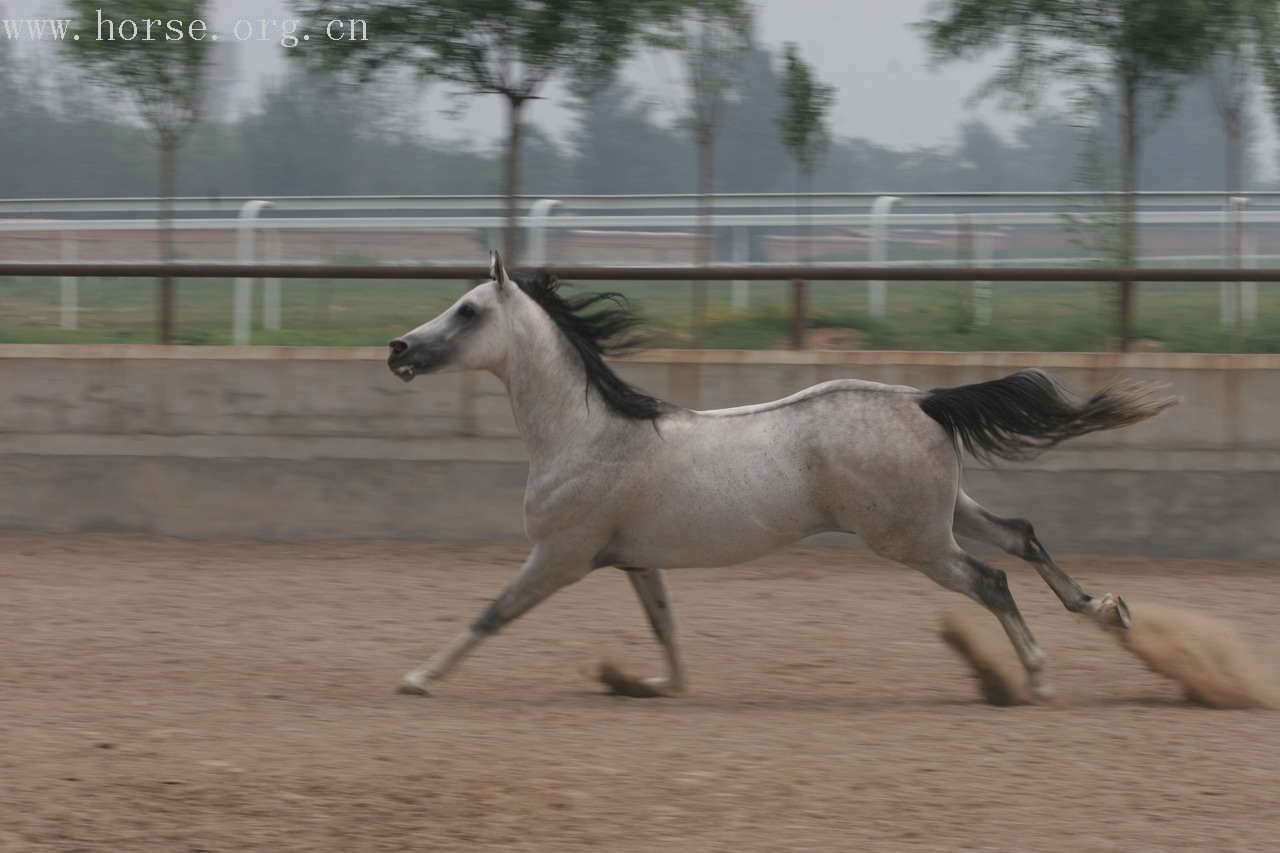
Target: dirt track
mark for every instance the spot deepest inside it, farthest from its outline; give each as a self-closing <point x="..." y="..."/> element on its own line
<point x="161" y="696"/>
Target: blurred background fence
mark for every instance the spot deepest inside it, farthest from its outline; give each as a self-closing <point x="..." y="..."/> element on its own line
<point x="985" y="230"/>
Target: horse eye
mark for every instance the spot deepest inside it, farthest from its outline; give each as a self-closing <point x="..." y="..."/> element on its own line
<point x="466" y="311"/>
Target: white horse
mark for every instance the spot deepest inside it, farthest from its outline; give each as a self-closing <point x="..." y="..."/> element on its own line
<point x="618" y="478"/>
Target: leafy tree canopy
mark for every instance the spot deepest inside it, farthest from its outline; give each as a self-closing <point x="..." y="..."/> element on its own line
<point x="507" y="47"/>
<point x="803" y="123"/>
<point x="163" y="77"/>
<point x="1087" y="42"/>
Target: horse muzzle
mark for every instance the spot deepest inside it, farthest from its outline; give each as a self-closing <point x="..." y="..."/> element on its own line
<point x="407" y="360"/>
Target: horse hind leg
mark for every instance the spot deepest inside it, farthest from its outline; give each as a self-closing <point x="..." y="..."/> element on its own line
<point x="1016" y="536"/>
<point x="961" y="572"/>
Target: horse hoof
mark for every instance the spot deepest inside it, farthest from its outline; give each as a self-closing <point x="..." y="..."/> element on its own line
<point x="1042" y="693"/>
<point x="621" y="684"/>
<point x="409" y="687"/>
<point x="664" y="686"/>
<point x="1122" y="613"/>
<point x="1110" y="611"/>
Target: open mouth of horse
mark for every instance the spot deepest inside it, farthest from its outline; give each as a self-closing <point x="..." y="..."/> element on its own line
<point x="406" y="367"/>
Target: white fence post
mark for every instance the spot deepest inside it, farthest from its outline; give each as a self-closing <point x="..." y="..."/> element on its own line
<point x="541" y="211"/>
<point x="974" y="250"/>
<point x="741" y="291"/>
<point x="70" y="285"/>
<point x="242" y="308"/>
<point x="1229" y="292"/>
<point x="1246" y="291"/>
<point x="877" y="294"/>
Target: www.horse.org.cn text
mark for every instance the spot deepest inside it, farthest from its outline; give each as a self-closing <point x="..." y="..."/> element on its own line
<point x="288" y="33"/>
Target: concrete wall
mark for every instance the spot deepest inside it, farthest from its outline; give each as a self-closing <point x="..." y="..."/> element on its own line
<point x="296" y="442"/>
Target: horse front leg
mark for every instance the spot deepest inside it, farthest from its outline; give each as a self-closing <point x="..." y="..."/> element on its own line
<point x="544" y="572"/>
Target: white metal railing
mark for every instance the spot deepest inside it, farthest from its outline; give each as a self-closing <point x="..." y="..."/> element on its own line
<point x="575" y="222"/>
<point x="231" y="205"/>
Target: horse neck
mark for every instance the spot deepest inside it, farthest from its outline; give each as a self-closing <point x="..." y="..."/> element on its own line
<point x="553" y="408"/>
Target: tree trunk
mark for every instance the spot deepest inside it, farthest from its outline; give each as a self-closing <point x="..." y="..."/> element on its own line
<point x="1231" y="97"/>
<point x="806" y="222"/>
<point x="706" y="186"/>
<point x="165" y="296"/>
<point x="511" y="185"/>
<point x="1129" y="204"/>
<point x="1232" y="127"/>
<point x="799" y="287"/>
<point x="799" y="332"/>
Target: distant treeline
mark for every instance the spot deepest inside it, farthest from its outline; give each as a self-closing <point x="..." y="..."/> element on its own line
<point x="312" y="135"/>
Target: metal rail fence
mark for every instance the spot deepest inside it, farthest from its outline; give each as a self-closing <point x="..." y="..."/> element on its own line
<point x="713" y="272"/>
<point x="938" y="230"/>
<point x="797" y="275"/>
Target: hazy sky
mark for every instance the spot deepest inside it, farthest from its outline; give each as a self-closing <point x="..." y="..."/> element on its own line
<point x="867" y="48"/>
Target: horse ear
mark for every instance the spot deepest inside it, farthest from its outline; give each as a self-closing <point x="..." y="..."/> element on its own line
<point x="497" y="271"/>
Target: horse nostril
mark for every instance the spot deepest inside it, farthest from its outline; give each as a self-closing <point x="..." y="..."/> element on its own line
<point x="398" y="346"/>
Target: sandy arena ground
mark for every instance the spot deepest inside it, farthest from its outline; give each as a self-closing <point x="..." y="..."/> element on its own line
<point x="167" y="696"/>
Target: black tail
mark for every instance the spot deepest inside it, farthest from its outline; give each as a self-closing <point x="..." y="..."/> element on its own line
<point x="1020" y="415"/>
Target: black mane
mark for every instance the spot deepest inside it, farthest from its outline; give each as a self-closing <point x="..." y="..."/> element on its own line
<point x="593" y="335"/>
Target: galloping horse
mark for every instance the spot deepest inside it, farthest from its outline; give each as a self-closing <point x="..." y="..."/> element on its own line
<point x="618" y="478"/>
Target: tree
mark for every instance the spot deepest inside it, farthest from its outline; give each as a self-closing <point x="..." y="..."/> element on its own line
<point x="307" y="123"/>
<point x="165" y="80"/>
<point x="802" y="126"/>
<point x="619" y="148"/>
<point x="990" y="158"/>
<point x="1244" y="42"/>
<point x="712" y="39"/>
<point x="509" y="48"/>
<point x="1180" y="153"/>
<point x="1244" y="47"/>
<point x="757" y="161"/>
<point x="1136" y="48"/>
<point x="1046" y="154"/>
